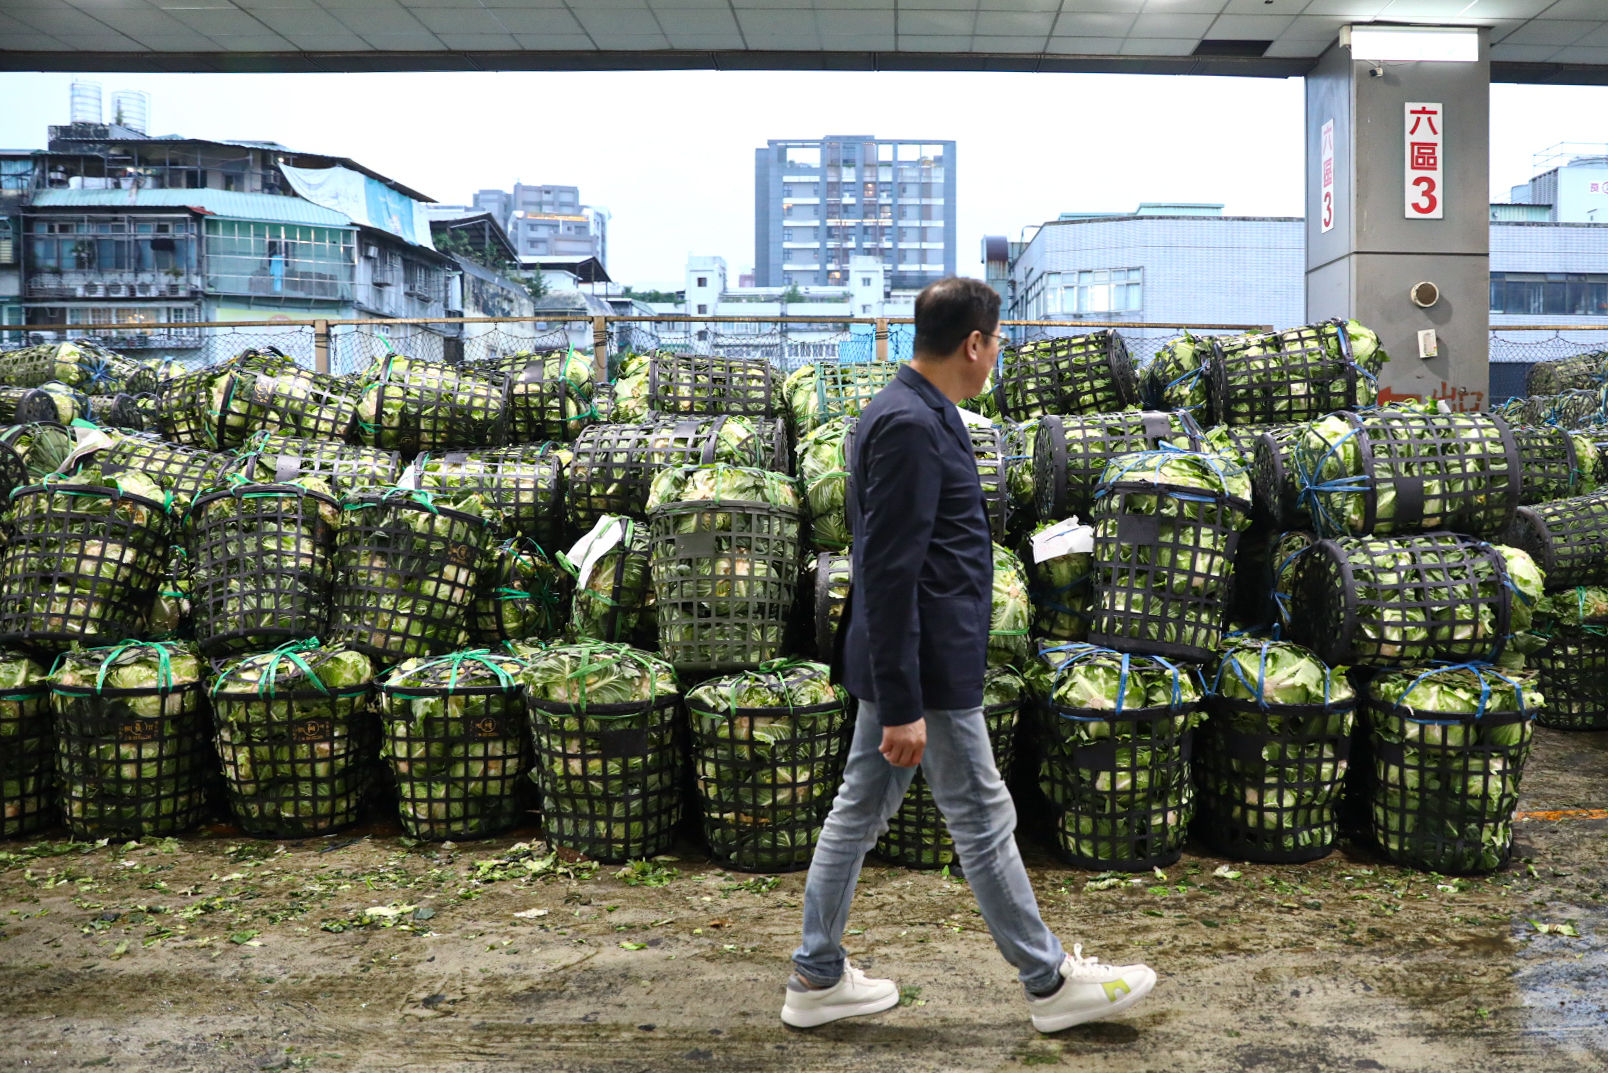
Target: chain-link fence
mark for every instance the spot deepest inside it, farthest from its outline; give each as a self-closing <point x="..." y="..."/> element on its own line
<point x="1515" y="349"/>
<point x="345" y="347"/>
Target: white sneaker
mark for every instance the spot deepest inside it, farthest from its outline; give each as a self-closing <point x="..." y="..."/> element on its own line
<point x="854" y="995"/>
<point x="1090" y="991"/>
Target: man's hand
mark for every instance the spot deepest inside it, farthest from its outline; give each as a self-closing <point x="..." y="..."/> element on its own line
<point x="904" y="744"/>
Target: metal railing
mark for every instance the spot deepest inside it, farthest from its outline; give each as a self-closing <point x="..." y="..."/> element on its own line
<point x="347" y="345"/>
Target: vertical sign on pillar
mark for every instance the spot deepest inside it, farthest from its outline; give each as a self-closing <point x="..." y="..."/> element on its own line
<point x="1425" y="146"/>
<point x="1326" y="206"/>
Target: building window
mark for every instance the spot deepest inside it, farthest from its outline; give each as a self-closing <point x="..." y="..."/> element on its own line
<point x="703" y="281"/>
<point x="1572" y="294"/>
<point x="1105" y="290"/>
<point x="703" y="310"/>
<point x="112" y="244"/>
<point x="279" y="260"/>
<point x="865" y="281"/>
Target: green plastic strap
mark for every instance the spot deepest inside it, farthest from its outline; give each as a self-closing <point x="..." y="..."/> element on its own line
<point x="163" y="662"/>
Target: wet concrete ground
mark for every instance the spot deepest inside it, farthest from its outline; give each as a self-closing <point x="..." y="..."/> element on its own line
<point x="357" y="952"/>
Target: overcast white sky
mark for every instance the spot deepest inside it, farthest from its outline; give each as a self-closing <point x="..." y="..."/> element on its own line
<point x="670" y="154"/>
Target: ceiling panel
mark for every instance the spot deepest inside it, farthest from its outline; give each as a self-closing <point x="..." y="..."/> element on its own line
<point x="1123" y="35"/>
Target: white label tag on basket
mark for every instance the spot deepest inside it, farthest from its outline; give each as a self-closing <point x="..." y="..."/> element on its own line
<point x="410" y="477"/>
<point x="1070" y="537"/>
<point x="607" y="534"/>
<point x="89" y="440"/>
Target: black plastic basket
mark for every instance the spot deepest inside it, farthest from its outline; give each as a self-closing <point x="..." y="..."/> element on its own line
<point x="456" y="739"/>
<point x="764" y="798"/>
<point x="76" y="575"/>
<point x="275" y="394"/>
<point x="620" y="609"/>
<point x="1567" y="539"/>
<point x="680" y="384"/>
<point x="296" y="762"/>
<point x="1082" y="374"/>
<point x="188" y="472"/>
<point x="989" y="449"/>
<point x="613" y="465"/>
<point x="404" y="591"/>
<point x="610" y="775"/>
<point x="1576" y="372"/>
<point x="423" y="406"/>
<point x="1573" y="671"/>
<point x="272" y="458"/>
<point x="832" y="577"/>
<point x="10" y="396"/>
<point x="1145" y="599"/>
<point x="1070" y="453"/>
<point x="526" y="483"/>
<point x="1441" y="804"/>
<point x="1275" y="482"/>
<point x="133" y="763"/>
<point x="85" y="364"/>
<point x="1386" y="603"/>
<point x="262" y="556"/>
<point x="28" y="800"/>
<point x="542" y="407"/>
<point x="917" y="834"/>
<point x="118" y="411"/>
<point x="1246" y="771"/>
<point x="1295" y="375"/>
<point x="724" y="575"/>
<point x="840" y="389"/>
<point x="1553" y="468"/>
<point x="30" y="453"/>
<point x="1446" y="471"/>
<point x="188" y="414"/>
<point x="47" y="404"/>
<point x="522" y="597"/>
<point x="1101" y="825"/>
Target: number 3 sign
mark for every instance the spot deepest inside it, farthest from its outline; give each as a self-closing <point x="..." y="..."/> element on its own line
<point x="1424" y="145"/>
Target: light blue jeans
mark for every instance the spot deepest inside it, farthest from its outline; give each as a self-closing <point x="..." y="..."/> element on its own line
<point x="966" y="785"/>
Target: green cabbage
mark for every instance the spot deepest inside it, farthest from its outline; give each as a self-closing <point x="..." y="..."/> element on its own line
<point x="133" y="755"/>
<point x="768" y="748"/>
<point x="294" y="737"/>
<point x="27" y="748"/>
<point x="608" y="754"/>
<point x="1449" y="745"/>
<point x="454" y="736"/>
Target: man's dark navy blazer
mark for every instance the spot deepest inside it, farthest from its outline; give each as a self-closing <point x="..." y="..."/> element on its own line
<point x="915" y="633"/>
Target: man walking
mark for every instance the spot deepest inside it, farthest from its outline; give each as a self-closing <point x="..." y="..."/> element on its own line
<point x="913" y="650"/>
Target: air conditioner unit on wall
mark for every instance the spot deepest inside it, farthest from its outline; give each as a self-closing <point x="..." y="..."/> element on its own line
<point x="89" y="290"/>
<point x="371" y="251"/>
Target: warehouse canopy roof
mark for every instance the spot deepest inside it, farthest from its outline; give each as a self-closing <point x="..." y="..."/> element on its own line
<point x="1532" y="40"/>
<point x="231" y="204"/>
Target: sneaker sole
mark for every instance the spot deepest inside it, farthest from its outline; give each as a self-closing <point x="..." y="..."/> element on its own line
<point x="1071" y="1020"/>
<point x="822" y="1015"/>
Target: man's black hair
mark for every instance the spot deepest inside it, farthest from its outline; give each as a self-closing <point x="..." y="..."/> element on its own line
<point x="950" y="310"/>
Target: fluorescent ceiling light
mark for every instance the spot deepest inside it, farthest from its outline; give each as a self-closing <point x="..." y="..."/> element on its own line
<point x="1434" y="43"/>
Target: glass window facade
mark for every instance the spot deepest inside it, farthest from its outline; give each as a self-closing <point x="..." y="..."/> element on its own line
<point x="1571" y="294"/>
<point x="279" y="260"/>
<point x="111" y="244"/>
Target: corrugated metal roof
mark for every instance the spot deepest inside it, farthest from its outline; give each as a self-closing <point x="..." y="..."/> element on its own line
<point x="230" y="204"/>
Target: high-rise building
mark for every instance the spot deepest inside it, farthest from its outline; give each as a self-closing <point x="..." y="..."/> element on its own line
<point x="820" y="202"/>
<point x="548" y="221"/>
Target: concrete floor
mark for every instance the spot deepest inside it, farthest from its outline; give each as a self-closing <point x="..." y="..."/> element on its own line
<point x="218" y="953"/>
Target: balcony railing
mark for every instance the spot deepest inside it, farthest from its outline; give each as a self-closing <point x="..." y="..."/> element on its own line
<point x="98" y="283"/>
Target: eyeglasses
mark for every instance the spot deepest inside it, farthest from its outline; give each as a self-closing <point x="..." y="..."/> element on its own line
<point x="1004" y="340"/>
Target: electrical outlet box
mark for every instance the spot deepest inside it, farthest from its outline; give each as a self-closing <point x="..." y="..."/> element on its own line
<point x="1428" y="343"/>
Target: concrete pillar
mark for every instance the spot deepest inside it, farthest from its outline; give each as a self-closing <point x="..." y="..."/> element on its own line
<point x="1367" y="264"/>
